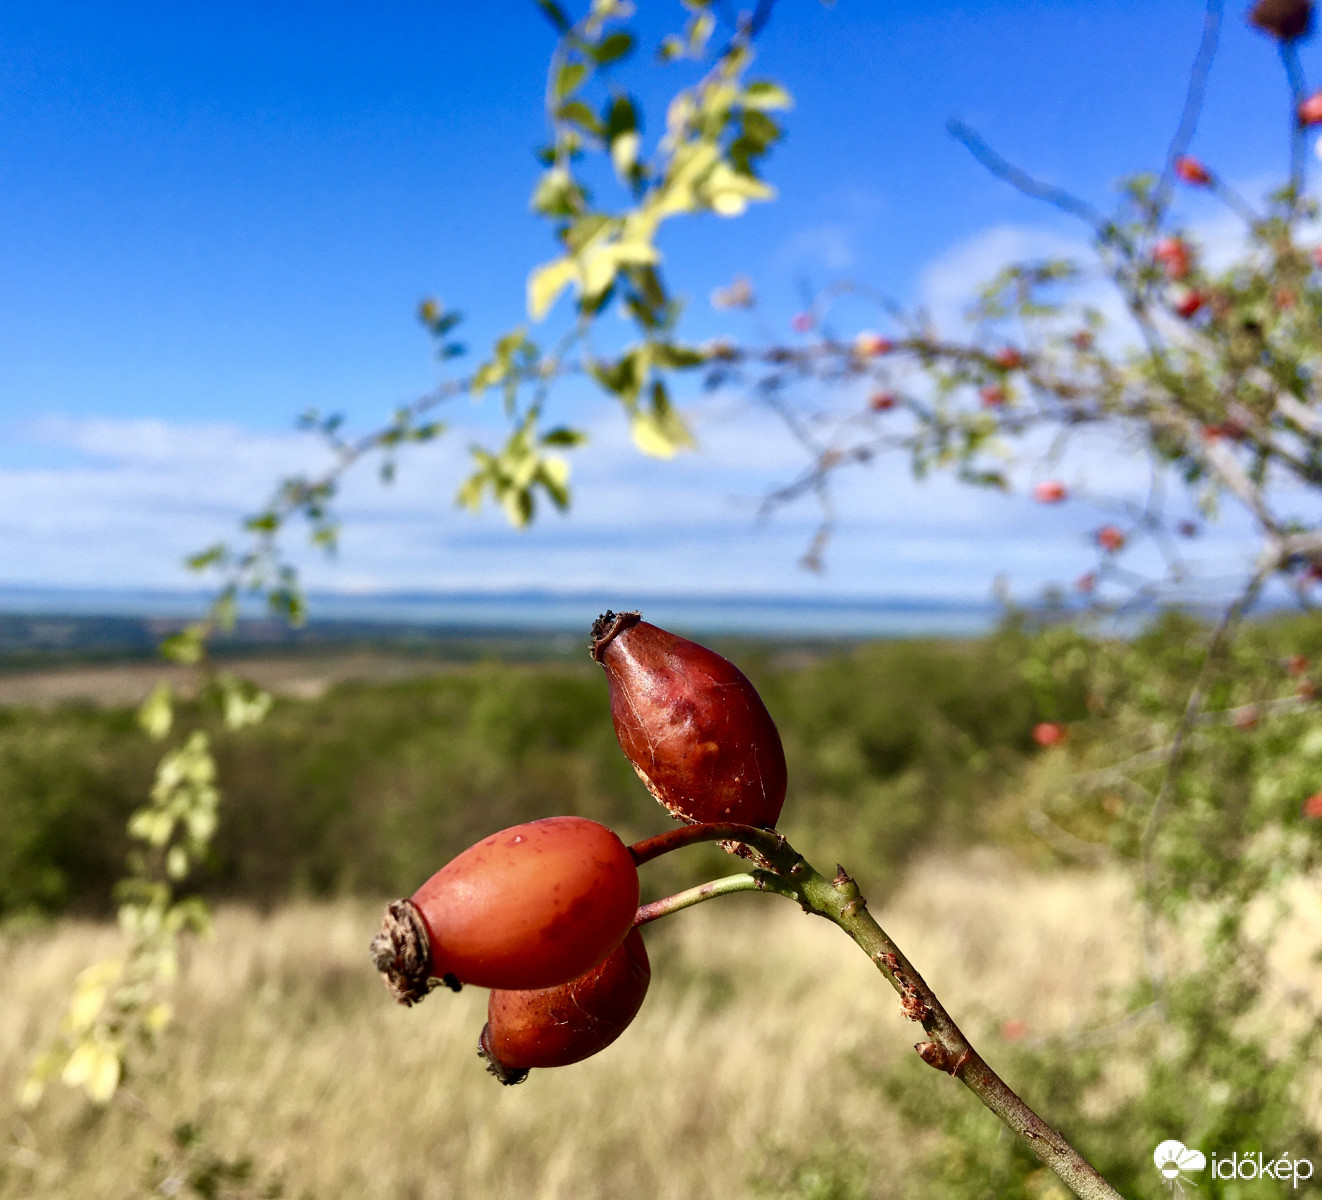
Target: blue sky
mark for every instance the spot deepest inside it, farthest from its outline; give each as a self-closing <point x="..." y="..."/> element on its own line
<point x="214" y="216"/>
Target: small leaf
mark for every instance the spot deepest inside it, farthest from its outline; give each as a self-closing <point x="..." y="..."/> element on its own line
<point x="185" y="647"/>
<point x="763" y="94"/>
<point x="556" y="15"/>
<point x="613" y="48"/>
<point x="156" y="713"/>
<point x="624" y="152"/>
<point x="546" y="283"/>
<point x="564" y="436"/>
<point x="569" y="79"/>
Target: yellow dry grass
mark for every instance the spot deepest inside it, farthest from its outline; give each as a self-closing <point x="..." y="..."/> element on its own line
<point x="288" y="1049"/>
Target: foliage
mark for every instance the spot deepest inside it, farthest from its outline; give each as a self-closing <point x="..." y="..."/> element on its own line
<point x="364" y="790"/>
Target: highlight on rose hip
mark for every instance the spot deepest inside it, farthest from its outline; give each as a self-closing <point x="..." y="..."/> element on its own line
<point x="546" y="913"/>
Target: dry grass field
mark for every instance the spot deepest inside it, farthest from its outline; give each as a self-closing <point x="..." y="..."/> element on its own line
<point x="756" y="1045"/>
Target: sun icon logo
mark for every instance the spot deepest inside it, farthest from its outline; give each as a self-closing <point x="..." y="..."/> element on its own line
<point x="1174" y="1159"/>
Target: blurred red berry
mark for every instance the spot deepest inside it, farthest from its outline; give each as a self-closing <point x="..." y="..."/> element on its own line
<point x="1110" y="539"/>
<point x="1050" y="491"/>
<point x="992" y="396"/>
<point x="1192" y="171"/>
<point x="1008" y="359"/>
<point x="1310" y="111"/>
<point x="1085" y="582"/>
<point x="1285" y="300"/>
<point x="1048" y="733"/>
<point x="1013" y="1030"/>
<point x="1313" y="807"/>
<point x="870" y="345"/>
<point x="882" y="401"/>
<point x="1317" y="256"/>
<point x="1306" y="689"/>
<point x="1083" y="339"/>
<point x="1246" y="717"/>
<point x="1296" y="664"/>
<point x="1173" y="255"/>
<point x="1189" y="303"/>
<point x="803" y="322"/>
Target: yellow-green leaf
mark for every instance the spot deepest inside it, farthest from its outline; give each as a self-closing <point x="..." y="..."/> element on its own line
<point x="546" y="283"/>
<point x="156" y="714"/>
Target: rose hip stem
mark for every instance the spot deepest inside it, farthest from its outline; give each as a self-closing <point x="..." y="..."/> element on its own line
<point x="840" y="902"/>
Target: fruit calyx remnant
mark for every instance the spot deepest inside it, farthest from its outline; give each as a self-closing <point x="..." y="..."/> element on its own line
<point x="402" y="953"/>
<point x="609" y="625"/>
<point x="509" y="1076"/>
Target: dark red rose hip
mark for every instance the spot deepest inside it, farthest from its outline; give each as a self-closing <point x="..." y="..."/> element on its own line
<point x="694" y="728"/>
<point x="556" y="1026"/>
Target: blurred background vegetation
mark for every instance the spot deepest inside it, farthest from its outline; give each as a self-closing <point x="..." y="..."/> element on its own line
<point x="1005" y="868"/>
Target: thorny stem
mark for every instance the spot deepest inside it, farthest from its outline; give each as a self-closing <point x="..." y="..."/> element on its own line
<point x="840" y="902"/>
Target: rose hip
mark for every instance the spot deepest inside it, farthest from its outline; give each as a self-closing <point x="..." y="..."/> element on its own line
<point x="694" y="728"/>
<point x="532" y="906"/>
<point x="556" y="1026"/>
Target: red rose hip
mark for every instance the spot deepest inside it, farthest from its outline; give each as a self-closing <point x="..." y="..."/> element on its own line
<point x="530" y="907"/>
<point x="556" y="1026"/>
<point x="694" y="728"/>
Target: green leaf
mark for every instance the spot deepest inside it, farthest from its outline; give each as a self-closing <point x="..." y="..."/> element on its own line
<point x="613" y="48"/>
<point x="578" y="113"/>
<point x="208" y="557"/>
<point x="556" y="15"/>
<point x="519" y="506"/>
<point x="668" y="355"/>
<point x="156" y="713"/>
<point x="569" y="79"/>
<point x="546" y="283"/>
<point x="553" y="475"/>
<point x="624" y="153"/>
<point x="185" y="647"/>
<point x="763" y="94"/>
<point x="659" y="431"/>
<point x="563" y="436"/>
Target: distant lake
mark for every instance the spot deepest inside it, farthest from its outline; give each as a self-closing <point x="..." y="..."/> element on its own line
<point x="573" y="612"/>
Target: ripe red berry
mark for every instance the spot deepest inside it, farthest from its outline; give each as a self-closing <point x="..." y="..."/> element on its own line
<point x="694" y="728"/>
<point x="1189" y="303"/>
<point x="1110" y="539"/>
<point x="1050" y="491"/>
<point x="1192" y="171"/>
<point x="1048" y="733"/>
<point x="1313" y="807"/>
<point x="556" y="1026"/>
<point x="802" y="322"/>
<point x="1008" y="359"/>
<point x="1306" y="689"/>
<point x="1310" y="111"/>
<point x="1296" y="664"/>
<point x="1173" y="255"/>
<point x="882" y="401"/>
<point x="992" y="396"/>
<point x="871" y="345"/>
<point x="532" y="906"/>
